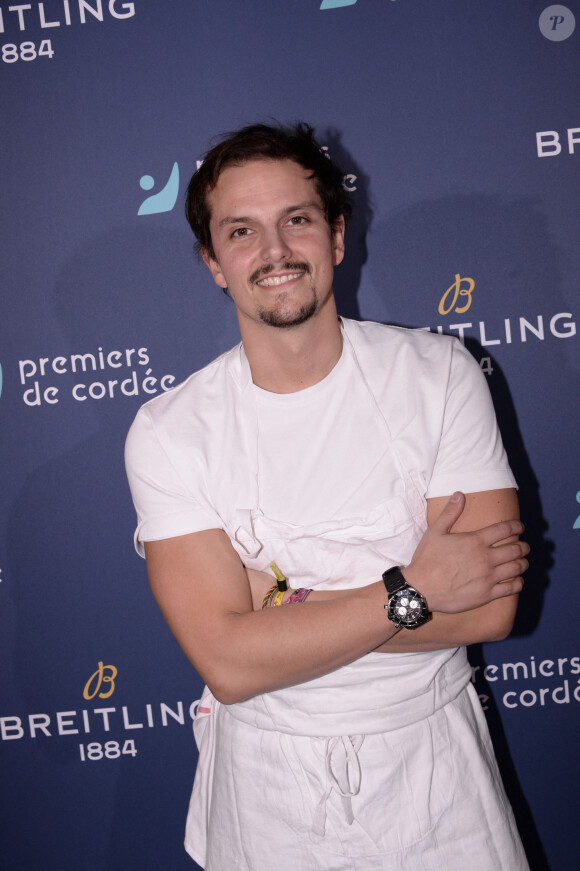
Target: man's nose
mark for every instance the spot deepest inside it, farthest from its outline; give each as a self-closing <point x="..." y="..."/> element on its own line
<point x="275" y="246"/>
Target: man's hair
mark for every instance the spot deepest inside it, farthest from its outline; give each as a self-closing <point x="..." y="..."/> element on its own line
<point x="262" y="142"/>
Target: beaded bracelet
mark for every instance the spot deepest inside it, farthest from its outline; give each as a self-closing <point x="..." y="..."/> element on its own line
<point x="299" y="595"/>
<point x="275" y="597"/>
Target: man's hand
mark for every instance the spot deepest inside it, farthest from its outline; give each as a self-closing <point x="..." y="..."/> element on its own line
<point x="459" y="530"/>
<point x="460" y="571"/>
<point x="455" y="571"/>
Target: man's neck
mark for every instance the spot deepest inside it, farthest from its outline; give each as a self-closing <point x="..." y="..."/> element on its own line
<point x="289" y="359"/>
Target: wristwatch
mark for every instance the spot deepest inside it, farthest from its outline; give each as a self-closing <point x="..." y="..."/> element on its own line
<point x="406" y="606"/>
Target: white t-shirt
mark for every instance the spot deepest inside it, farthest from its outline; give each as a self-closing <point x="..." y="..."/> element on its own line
<point x="398" y="404"/>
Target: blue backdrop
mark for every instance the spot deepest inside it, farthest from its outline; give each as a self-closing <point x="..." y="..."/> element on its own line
<point x="458" y="128"/>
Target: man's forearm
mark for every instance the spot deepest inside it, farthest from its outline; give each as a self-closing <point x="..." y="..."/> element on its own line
<point x="240" y="652"/>
<point x="491" y="622"/>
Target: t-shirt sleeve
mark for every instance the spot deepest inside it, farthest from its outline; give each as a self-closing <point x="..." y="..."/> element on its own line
<point x="165" y="507"/>
<point x="471" y="456"/>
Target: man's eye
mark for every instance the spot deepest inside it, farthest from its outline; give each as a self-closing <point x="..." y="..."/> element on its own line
<point x="241" y="231"/>
<point x="296" y="220"/>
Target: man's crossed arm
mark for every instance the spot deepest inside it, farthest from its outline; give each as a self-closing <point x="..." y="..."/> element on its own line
<point x="470" y="578"/>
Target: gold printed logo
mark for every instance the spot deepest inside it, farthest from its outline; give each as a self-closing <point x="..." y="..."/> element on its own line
<point x="105" y="674"/>
<point x="454" y="293"/>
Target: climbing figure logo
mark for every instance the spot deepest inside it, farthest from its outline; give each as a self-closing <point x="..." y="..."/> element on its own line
<point x="577" y="521"/>
<point x="336" y="4"/>
<point x="165" y="199"/>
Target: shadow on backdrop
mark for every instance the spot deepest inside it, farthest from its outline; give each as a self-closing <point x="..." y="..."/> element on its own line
<point x="347" y="277"/>
<point x="507" y="249"/>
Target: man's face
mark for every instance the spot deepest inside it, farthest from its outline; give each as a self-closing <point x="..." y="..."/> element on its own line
<point x="274" y="249"/>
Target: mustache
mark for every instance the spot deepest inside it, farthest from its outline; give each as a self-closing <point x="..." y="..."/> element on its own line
<point x="289" y="266"/>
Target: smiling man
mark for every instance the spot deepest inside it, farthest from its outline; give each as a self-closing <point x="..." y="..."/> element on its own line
<point x="284" y="213"/>
<point x="338" y="728"/>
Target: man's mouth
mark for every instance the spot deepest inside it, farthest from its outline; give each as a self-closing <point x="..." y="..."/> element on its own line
<point x="268" y="276"/>
<point x="277" y="280"/>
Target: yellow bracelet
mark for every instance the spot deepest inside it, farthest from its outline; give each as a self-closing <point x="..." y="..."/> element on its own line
<point x="277" y="598"/>
<point x="273" y="597"/>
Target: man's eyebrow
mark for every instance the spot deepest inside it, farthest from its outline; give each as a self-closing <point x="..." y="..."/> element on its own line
<point x="232" y="220"/>
<point x="307" y="204"/>
<point x="243" y="219"/>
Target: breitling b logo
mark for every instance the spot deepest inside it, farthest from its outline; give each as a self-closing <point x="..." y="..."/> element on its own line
<point x="454" y="292"/>
<point x="98" y="679"/>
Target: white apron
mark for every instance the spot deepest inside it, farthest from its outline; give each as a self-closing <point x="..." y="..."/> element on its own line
<point x="385" y="763"/>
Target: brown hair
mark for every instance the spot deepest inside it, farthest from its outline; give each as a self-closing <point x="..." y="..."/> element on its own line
<point x="262" y="142"/>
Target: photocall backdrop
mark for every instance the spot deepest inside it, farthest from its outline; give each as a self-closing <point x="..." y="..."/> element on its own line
<point x="457" y="124"/>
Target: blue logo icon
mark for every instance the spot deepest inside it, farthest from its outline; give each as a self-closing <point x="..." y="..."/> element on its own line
<point x="577" y="521"/>
<point x="336" y="4"/>
<point x="165" y="199"/>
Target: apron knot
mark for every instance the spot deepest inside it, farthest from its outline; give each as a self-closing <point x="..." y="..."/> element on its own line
<point x="245" y="534"/>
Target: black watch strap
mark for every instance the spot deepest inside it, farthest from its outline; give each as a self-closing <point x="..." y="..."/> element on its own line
<point x="393" y="580"/>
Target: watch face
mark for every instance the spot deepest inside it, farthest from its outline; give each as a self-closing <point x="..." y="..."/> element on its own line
<point x="407" y="608"/>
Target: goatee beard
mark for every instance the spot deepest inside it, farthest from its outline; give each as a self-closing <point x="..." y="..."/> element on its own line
<point x="276" y="318"/>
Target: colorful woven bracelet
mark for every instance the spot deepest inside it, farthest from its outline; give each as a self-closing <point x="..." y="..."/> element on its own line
<point x="299" y="595"/>
<point x="273" y="597"/>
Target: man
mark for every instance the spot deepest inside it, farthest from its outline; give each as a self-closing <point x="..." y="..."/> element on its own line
<point x="330" y="738"/>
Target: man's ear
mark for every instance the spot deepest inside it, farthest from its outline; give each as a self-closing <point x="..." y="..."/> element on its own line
<point x="214" y="268"/>
<point x="338" y="229"/>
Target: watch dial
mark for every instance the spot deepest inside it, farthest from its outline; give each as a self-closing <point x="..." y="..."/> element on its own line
<point x="406" y="608"/>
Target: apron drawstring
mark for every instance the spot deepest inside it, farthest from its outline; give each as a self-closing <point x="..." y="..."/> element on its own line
<point x="343" y="775"/>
